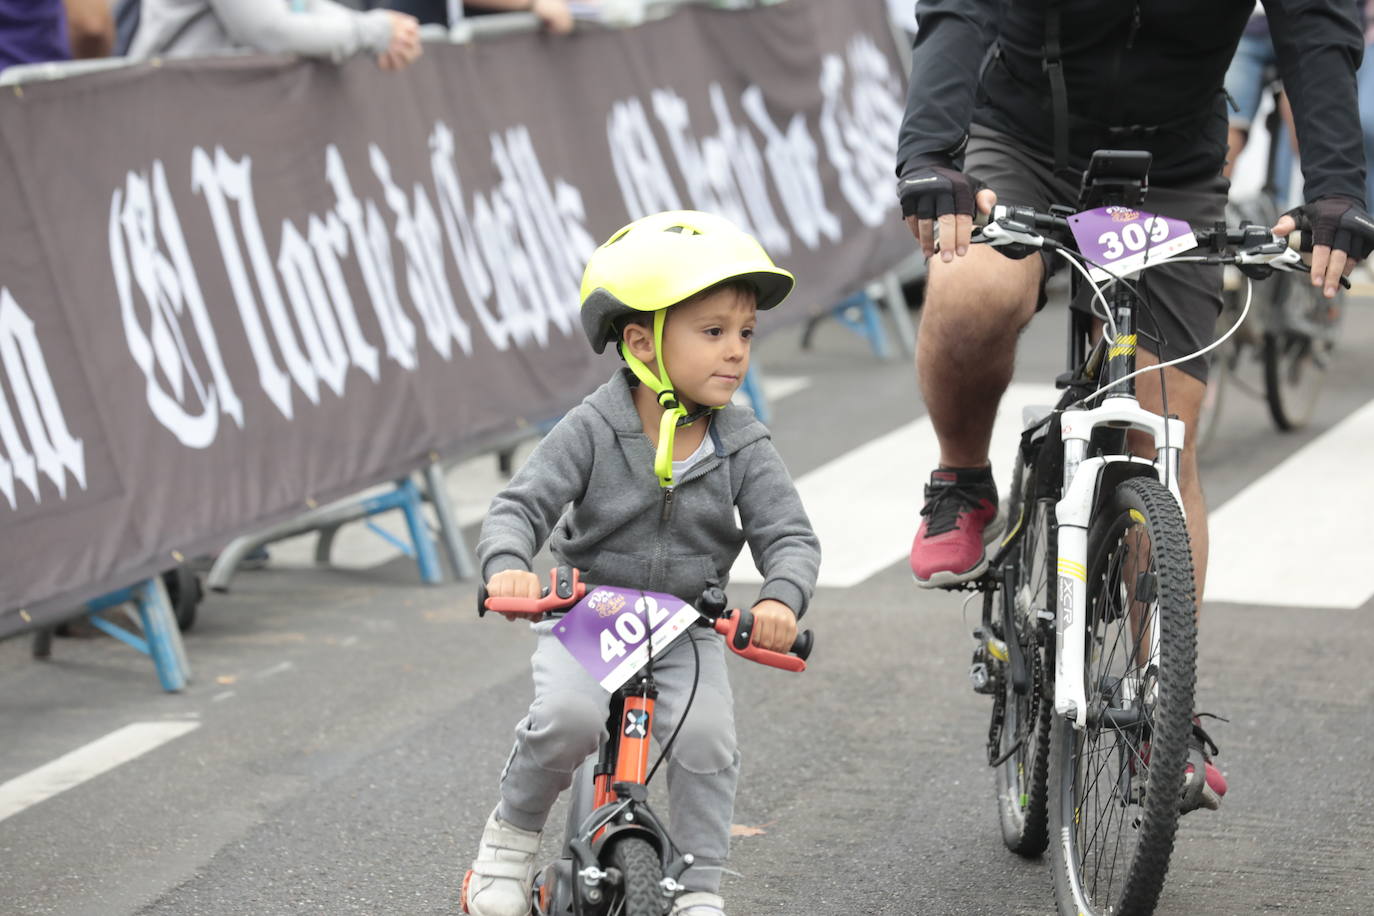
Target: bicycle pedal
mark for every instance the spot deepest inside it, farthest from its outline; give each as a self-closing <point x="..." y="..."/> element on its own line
<point x="981" y="584"/>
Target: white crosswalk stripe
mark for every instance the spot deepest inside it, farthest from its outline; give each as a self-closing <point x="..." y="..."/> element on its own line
<point x="865" y="505"/>
<point x="1263" y="553"/>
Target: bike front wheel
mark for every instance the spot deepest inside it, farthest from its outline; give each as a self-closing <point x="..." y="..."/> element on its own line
<point x="641" y="879"/>
<point x="1116" y="783"/>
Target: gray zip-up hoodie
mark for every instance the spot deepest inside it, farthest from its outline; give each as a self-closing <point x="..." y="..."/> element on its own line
<point x="624" y="529"/>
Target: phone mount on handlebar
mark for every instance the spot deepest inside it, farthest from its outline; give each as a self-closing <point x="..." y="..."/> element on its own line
<point x="1115" y="178"/>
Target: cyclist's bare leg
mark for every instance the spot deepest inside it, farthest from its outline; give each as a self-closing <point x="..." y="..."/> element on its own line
<point x="1185" y="401"/>
<point x="975" y="308"/>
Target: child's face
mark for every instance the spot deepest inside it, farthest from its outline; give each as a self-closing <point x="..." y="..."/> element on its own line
<point x="706" y="345"/>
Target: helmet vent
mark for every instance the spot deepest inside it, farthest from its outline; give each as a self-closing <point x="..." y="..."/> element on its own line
<point x="682" y="230"/>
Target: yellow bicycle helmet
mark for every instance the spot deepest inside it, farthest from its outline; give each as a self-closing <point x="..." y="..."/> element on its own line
<point x="656" y="262"/>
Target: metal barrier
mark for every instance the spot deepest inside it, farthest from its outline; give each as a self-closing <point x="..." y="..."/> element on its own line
<point x="160" y="637"/>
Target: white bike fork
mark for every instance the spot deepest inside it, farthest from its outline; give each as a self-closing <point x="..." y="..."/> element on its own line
<point x="1074" y="513"/>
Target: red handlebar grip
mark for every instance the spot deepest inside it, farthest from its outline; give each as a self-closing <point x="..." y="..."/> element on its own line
<point x="536" y="607"/>
<point x="727" y="626"/>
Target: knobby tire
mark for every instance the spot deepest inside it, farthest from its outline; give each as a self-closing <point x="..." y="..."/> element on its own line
<point x="1114" y="795"/>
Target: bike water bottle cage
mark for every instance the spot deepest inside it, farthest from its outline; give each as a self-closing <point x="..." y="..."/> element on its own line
<point x="655" y="263"/>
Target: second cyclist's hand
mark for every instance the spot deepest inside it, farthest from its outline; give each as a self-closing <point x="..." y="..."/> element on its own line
<point x="555" y="14"/>
<point x="775" y="626"/>
<point x="404" y="48"/>
<point x="1342" y="235"/>
<point x="935" y="193"/>
<point x="515" y="583"/>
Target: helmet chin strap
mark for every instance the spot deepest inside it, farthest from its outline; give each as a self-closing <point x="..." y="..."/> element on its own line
<point x="674" y="414"/>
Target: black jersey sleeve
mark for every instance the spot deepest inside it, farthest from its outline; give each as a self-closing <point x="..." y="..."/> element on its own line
<point x="1319" y="45"/>
<point x="951" y="39"/>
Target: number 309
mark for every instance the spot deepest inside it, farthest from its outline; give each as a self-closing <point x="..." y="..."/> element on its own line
<point x="1132" y="238"/>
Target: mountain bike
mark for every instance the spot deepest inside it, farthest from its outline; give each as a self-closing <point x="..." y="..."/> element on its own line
<point x="1087" y="642"/>
<point x="618" y="858"/>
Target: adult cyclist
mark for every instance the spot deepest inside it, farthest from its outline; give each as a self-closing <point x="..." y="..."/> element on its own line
<point x="1008" y="100"/>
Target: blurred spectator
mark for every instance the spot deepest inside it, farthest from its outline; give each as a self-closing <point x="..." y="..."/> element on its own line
<point x="32" y="31"/>
<point x="556" y="15"/>
<point x="312" y="28"/>
<point x="90" y="28"/>
<point x="38" y="31"/>
<point x="1253" y="69"/>
<point x="903" y="13"/>
<point x="1366" y="78"/>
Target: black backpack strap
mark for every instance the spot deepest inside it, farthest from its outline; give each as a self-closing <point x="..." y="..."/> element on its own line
<point x="1053" y="65"/>
<point x="994" y="54"/>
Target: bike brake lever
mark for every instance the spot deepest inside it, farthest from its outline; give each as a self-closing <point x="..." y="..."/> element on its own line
<point x="737" y="626"/>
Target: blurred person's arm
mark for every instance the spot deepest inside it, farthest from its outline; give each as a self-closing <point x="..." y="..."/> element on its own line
<point x="323" y="29"/>
<point x="555" y="15"/>
<point x="90" y="27"/>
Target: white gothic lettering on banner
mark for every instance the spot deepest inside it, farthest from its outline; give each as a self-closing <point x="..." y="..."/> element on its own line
<point x="518" y="249"/>
<point x="46" y="445"/>
<point x="725" y="172"/>
<point x="140" y="215"/>
<point x="860" y="132"/>
<point x="645" y="182"/>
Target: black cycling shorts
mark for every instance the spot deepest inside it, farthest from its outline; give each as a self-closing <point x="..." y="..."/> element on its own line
<point x="1183" y="300"/>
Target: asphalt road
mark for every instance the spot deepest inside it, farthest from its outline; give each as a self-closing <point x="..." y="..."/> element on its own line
<point x="352" y="725"/>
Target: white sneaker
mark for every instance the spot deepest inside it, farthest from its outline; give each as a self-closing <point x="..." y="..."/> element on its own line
<point x="698" y="903"/>
<point x="501" y="876"/>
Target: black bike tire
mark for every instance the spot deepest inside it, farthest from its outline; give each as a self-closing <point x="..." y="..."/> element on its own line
<point x="1025" y="826"/>
<point x="641" y="877"/>
<point x="1218" y="380"/>
<point x="1172" y="727"/>
<point x="1287" y="415"/>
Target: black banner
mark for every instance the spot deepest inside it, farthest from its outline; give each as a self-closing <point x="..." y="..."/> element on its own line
<point x="232" y="288"/>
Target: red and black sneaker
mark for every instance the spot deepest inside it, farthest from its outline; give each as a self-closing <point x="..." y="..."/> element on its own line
<point x="960" y="520"/>
<point x="1206" y="792"/>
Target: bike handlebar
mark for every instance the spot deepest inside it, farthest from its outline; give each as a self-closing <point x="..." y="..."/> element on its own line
<point x="1248" y="244"/>
<point x="566" y="588"/>
<point x="1219" y="236"/>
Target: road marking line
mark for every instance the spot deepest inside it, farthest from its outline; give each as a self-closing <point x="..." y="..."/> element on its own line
<point x="865" y="504"/>
<point x="86" y="763"/>
<point x="278" y="668"/>
<point x="1268" y="548"/>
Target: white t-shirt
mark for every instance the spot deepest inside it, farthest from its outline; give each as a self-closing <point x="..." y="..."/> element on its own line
<point x="705" y="448"/>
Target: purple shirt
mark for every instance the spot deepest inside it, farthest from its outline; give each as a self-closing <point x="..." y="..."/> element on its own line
<point x="32" y="31"/>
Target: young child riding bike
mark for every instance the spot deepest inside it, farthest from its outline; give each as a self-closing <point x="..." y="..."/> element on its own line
<point x="639" y="486"/>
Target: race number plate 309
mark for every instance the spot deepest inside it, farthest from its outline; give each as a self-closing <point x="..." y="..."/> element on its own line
<point x="1121" y="240"/>
<point x="610" y="629"/>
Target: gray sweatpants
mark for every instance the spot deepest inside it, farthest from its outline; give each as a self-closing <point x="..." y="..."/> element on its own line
<point x="567" y="721"/>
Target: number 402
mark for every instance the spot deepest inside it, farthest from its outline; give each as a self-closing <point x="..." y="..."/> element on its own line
<point x="630" y="627"/>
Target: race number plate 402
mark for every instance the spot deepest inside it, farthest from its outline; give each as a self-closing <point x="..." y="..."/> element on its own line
<point x="610" y="629"/>
<point x="1121" y="241"/>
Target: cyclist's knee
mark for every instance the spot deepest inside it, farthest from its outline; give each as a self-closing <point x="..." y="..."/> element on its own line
<point x="706" y="744"/>
<point x="984" y="284"/>
<point x="563" y="729"/>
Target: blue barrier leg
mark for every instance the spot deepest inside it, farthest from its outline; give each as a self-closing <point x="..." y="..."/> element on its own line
<point x="859" y="313"/>
<point x="160" y="629"/>
<point x="753" y="389"/>
<point x="425" y="555"/>
<point x="161" y="639"/>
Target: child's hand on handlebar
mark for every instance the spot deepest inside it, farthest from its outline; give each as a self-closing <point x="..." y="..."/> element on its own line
<point x="515" y="583"/>
<point x="775" y="626"/>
